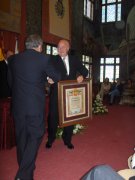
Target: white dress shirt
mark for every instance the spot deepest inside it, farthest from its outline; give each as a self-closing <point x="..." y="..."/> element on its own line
<point x="66" y="59"/>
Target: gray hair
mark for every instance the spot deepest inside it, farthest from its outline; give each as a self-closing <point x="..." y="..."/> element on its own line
<point x="33" y="41"/>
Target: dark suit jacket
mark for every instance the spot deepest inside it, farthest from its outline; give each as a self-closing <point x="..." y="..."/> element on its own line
<point x="75" y="68"/>
<point x="118" y="87"/>
<point x="4" y="88"/>
<point x="27" y="75"/>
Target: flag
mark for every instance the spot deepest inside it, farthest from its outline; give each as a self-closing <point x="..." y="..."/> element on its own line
<point x="1" y="55"/>
<point x="16" y="46"/>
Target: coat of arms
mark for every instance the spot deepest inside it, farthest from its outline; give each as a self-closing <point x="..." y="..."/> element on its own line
<point x="59" y="8"/>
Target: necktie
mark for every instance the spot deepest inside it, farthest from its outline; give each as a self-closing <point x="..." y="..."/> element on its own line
<point x="64" y="63"/>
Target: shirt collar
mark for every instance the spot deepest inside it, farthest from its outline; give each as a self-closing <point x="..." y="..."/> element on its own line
<point x="64" y="57"/>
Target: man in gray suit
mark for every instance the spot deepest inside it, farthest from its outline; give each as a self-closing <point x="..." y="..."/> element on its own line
<point x="27" y="74"/>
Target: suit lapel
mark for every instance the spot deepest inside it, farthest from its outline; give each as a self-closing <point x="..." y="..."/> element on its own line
<point x="70" y="64"/>
<point x="61" y="65"/>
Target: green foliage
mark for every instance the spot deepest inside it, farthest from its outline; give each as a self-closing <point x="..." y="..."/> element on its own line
<point x="98" y="107"/>
<point x="77" y="129"/>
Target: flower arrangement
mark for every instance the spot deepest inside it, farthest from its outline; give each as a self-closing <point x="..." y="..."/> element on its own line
<point x="98" y="107"/>
<point x="77" y="129"/>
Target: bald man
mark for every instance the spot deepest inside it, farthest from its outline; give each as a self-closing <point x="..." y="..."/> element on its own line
<point x="71" y="68"/>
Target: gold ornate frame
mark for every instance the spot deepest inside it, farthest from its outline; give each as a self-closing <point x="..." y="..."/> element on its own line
<point x="75" y="102"/>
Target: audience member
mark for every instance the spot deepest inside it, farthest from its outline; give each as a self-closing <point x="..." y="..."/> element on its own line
<point x="128" y="95"/>
<point x="128" y="85"/>
<point x="8" y="54"/>
<point x="105" y="88"/>
<point x="4" y="89"/>
<point x="102" y="172"/>
<point x="115" y="91"/>
<point x="106" y="172"/>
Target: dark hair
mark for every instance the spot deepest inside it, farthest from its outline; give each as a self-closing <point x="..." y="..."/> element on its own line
<point x="33" y="41"/>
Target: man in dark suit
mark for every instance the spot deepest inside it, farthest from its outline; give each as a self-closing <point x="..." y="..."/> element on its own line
<point x="4" y="89"/>
<point x="70" y="68"/>
<point x="27" y="74"/>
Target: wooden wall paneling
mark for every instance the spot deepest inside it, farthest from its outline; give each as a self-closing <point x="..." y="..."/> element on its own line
<point x="9" y="38"/>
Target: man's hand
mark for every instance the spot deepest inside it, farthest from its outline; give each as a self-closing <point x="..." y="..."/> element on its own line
<point x="50" y="81"/>
<point x="80" y="79"/>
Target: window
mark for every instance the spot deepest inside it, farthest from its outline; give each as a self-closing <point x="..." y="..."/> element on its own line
<point x="88" y="8"/>
<point x="111" y="10"/>
<point x="109" y="67"/>
<point x="52" y="50"/>
<point x="87" y="61"/>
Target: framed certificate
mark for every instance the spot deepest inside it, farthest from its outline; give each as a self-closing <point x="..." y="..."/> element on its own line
<point x="75" y="102"/>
